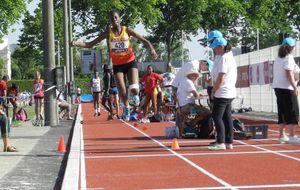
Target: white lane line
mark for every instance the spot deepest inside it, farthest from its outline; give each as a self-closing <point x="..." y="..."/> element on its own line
<point x="167" y="142"/>
<point x="237" y="187"/>
<point x="184" y="159"/>
<point x="270" y="151"/>
<point x="82" y="161"/>
<point x="191" y="154"/>
<point x="201" y="146"/>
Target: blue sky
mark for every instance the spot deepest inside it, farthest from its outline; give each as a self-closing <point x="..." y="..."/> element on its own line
<point x="195" y="49"/>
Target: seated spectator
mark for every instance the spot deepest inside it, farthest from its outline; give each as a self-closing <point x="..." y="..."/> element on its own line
<point x="4" y="132"/>
<point x="13" y="93"/>
<point x="186" y="94"/>
<point x="64" y="106"/>
<point x="78" y="94"/>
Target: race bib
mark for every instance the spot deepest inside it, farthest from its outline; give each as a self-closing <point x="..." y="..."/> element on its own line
<point x="120" y="46"/>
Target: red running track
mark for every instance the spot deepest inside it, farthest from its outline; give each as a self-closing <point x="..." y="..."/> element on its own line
<point x="120" y="155"/>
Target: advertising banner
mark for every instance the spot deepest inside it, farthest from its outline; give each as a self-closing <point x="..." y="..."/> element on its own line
<point x="90" y="61"/>
<point x="243" y="76"/>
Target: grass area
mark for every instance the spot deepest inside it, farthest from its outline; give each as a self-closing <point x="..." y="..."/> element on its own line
<point x="30" y="115"/>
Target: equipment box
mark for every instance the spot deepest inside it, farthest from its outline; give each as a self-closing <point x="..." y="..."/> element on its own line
<point x="258" y="131"/>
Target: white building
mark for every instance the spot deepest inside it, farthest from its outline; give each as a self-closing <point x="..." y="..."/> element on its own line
<point x="5" y="54"/>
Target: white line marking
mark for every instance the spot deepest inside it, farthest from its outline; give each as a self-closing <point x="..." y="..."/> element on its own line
<point x="192" y="154"/>
<point x="184" y="159"/>
<point x="271" y="151"/>
<point x="237" y="187"/>
<point x="82" y="160"/>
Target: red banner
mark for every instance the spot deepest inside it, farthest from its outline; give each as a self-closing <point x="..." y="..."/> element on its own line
<point x="242" y="77"/>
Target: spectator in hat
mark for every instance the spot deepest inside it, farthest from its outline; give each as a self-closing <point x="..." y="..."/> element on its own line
<point x="211" y="36"/>
<point x="286" y="91"/>
<point x="224" y="75"/>
<point x="186" y="94"/>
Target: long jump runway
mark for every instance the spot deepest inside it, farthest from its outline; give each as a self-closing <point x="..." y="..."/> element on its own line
<point x="121" y="155"/>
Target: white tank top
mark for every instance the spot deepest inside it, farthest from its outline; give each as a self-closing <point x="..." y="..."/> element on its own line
<point x="96" y="85"/>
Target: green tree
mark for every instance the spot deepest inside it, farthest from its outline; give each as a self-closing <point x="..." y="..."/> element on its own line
<point x="178" y="18"/>
<point x="92" y="15"/>
<point x="10" y="13"/>
<point x="29" y="55"/>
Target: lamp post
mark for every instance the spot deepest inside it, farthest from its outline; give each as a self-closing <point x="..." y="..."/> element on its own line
<point x="51" y="118"/>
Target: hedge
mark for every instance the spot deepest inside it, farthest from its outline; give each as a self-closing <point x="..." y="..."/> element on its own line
<point x="26" y="85"/>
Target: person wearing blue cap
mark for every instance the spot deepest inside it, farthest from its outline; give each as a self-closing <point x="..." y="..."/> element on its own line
<point x="210" y="37"/>
<point x="286" y="91"/>
<point x="214" y="34"/>
<point x="224" y="75"/>
<point x="207" y="66"/>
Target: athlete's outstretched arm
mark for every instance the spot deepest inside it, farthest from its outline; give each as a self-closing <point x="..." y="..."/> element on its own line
<point x="144" y="41"/>
<point x="90" y="44"/>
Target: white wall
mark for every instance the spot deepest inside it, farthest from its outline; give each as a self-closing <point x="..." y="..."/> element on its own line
<point x="260" y="97"/>
<point x="5" y="54"/>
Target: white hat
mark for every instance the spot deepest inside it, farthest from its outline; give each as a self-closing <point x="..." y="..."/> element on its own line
<point x="192" y="71"/>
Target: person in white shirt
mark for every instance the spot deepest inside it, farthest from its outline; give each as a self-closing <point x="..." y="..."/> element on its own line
<point x="96" y="90"/>
<point x="224" y="75"/>
<point x="65" y="107"/>
<point x="186" y="94"/>
<point x="286" y="91"/>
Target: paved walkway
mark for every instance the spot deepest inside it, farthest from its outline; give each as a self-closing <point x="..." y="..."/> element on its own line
<point x="37" y="165"/>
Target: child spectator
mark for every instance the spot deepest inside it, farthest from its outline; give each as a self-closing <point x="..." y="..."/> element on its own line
<point x="13" y="93"/>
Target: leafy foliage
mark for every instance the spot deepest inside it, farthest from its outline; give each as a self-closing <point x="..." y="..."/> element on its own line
<point x="10" y="12"/>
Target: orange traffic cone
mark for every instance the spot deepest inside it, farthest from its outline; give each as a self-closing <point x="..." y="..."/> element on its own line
<point x="61" y="145"/>
<point x="175" y="145"/>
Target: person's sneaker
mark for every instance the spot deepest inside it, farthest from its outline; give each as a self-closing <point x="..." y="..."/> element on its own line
<point x="126" y="114"/>
<point x="135" y="100"/>
<point x="283" y="139"/>
<point x="294" y="140"/>
<point x="229" y="146"/>
<point x="99" y="113"/>
<point x="95" y="114"/>
<point x="217" y="146"/>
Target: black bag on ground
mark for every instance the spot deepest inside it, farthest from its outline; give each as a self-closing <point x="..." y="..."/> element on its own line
<point x="239" y="130"/>
<point x="204" y="129"/>
<point x="155" y="118"/>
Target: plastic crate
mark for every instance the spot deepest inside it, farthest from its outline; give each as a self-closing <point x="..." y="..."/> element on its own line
<point x="258" y="131"/>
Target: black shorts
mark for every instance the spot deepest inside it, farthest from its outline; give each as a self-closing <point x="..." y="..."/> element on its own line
<point x="125" y="67"/>
<point x="287" y="105"/>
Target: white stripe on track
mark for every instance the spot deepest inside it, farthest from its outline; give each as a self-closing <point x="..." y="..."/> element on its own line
<point x="191" y="154"/>
<point x="237" y="187"/>
<point x="184" y="159"/>
<point x="271" y="151"/>
<point x="82" y="162"/>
